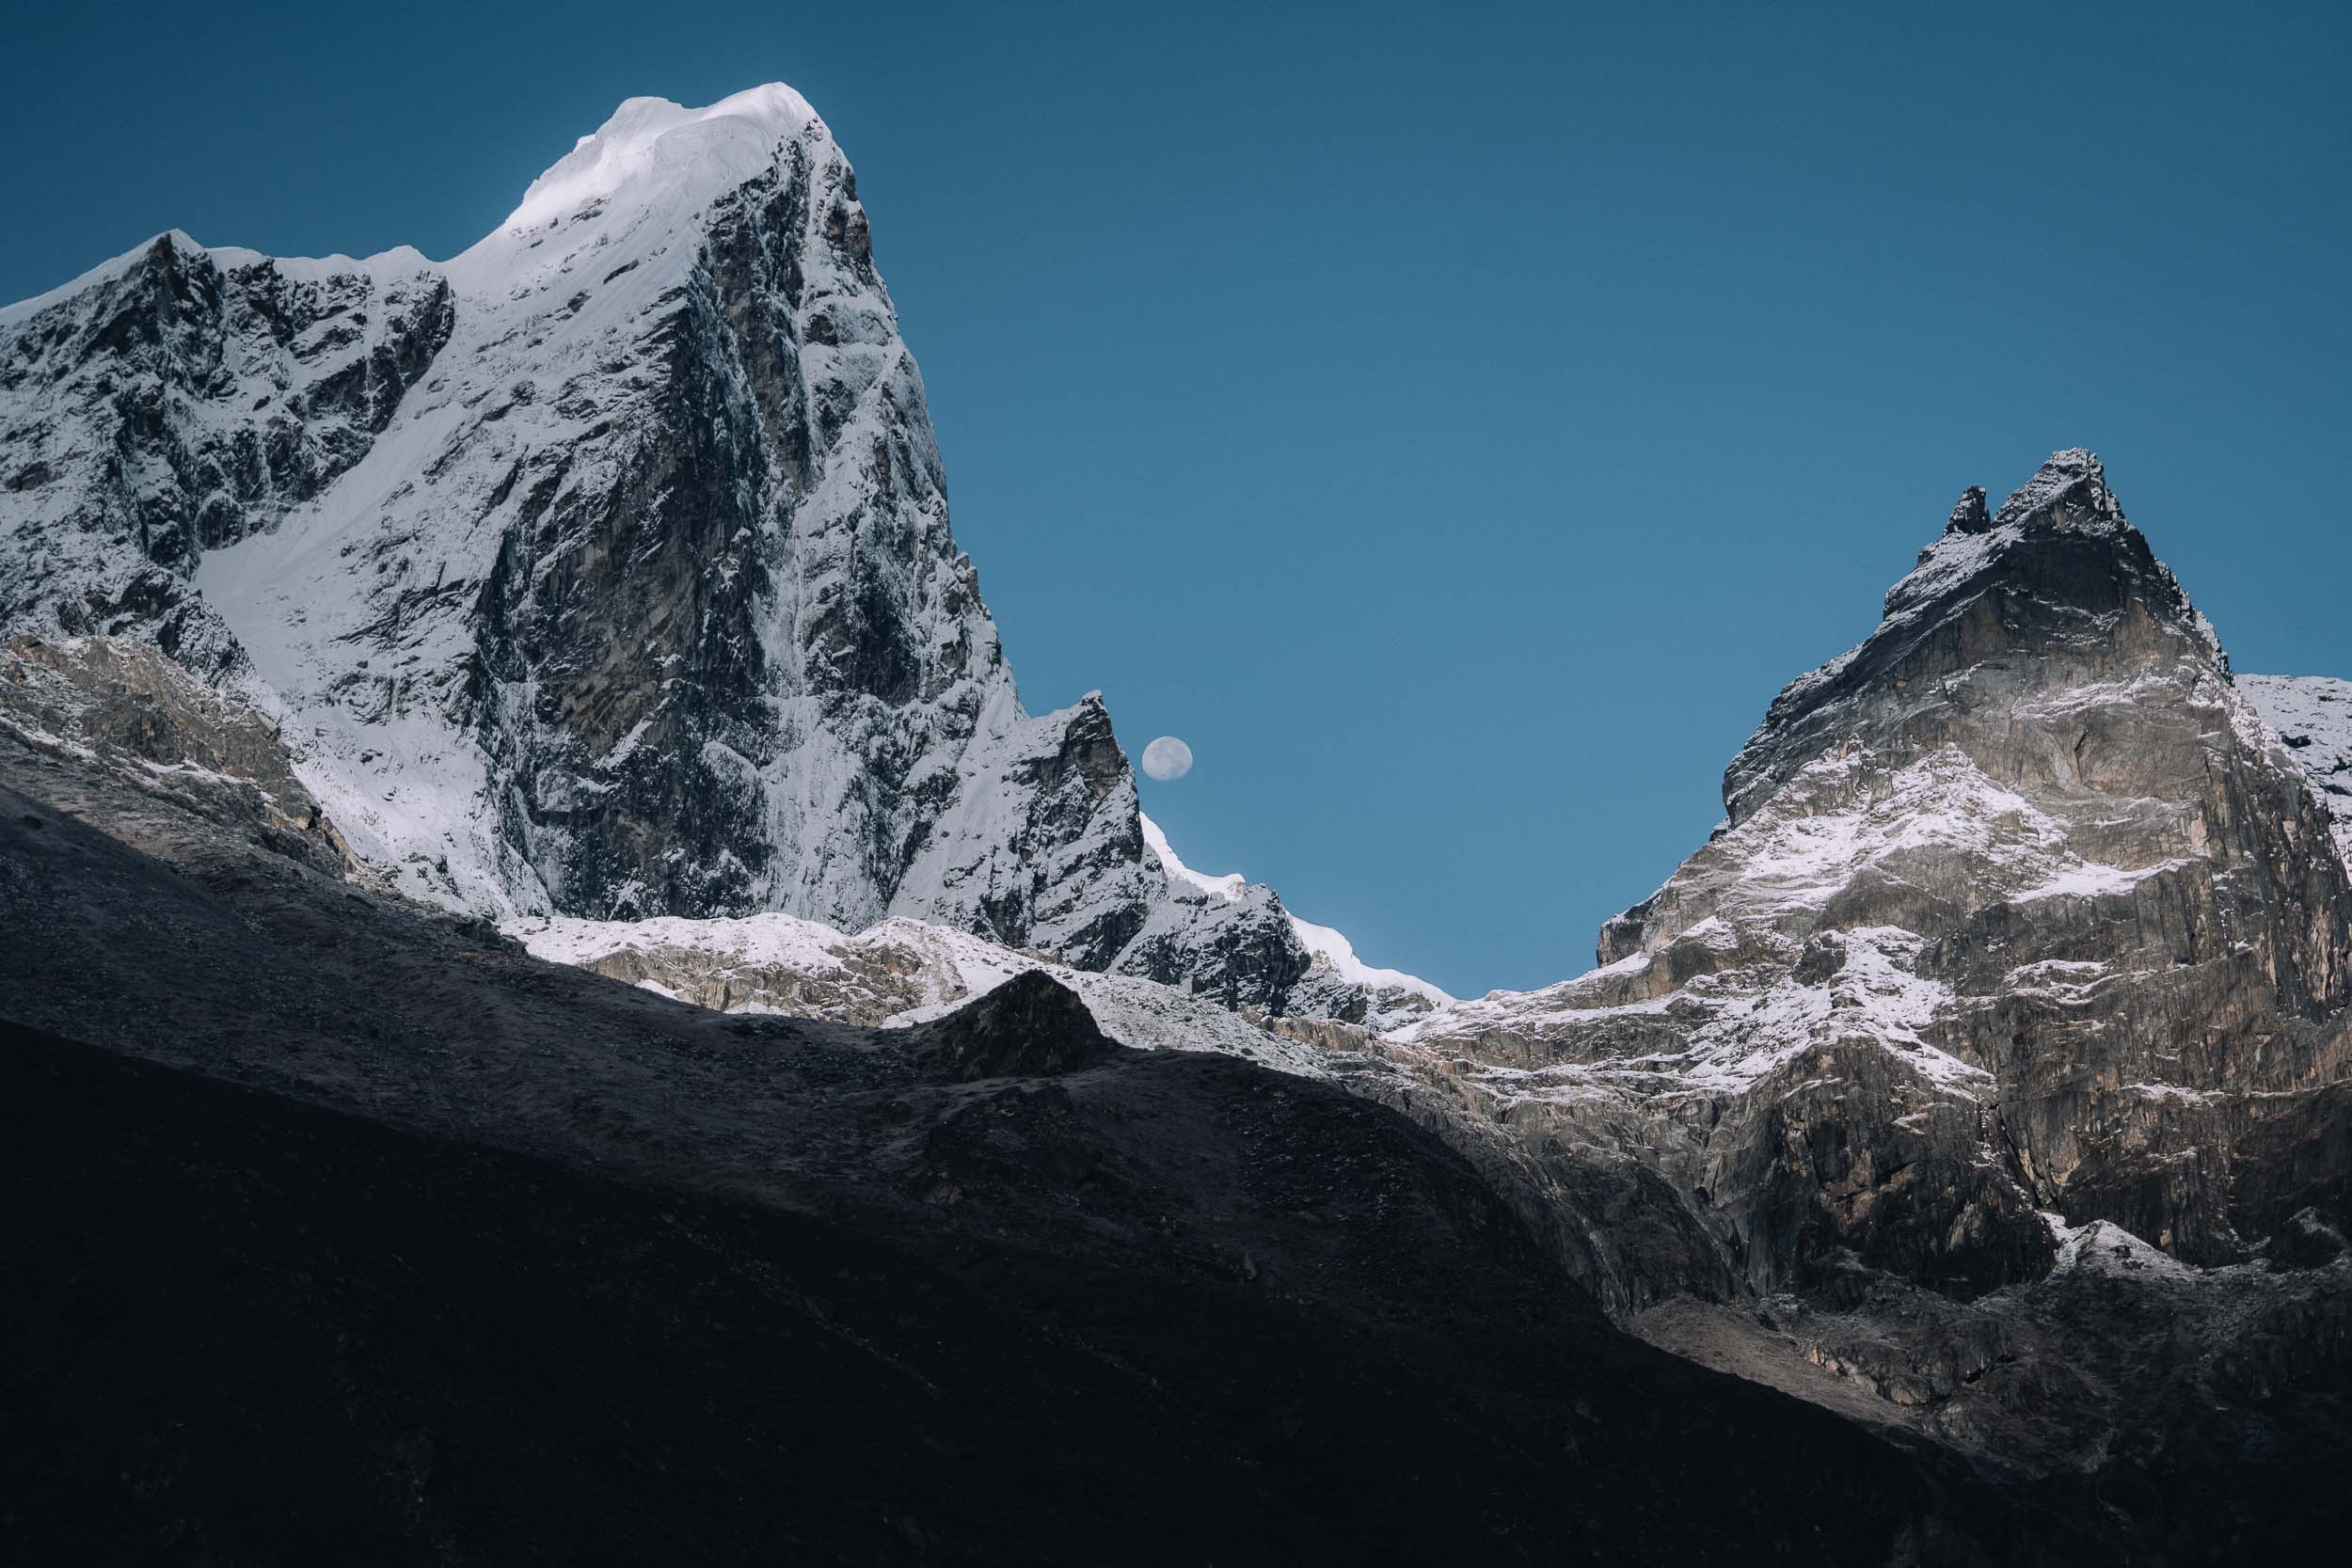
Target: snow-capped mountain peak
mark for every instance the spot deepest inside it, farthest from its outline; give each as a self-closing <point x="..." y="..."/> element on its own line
<point x="1959" y="857"/>
<point x="652" y="143"/>
<point x="604" y="570"/>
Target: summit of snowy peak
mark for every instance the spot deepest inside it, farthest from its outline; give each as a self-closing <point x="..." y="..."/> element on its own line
<point x="2070" y="488"/>
<point x="106" y="271"/>
<point x="652" y="172"/>
<point x="718" y="147"/>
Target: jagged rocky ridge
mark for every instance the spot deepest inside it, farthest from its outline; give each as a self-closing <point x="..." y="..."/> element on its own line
<point x="603" y="570"/>
<point x="1985" y="1074"/>
<point x="2019" y="908"/>
<point x="125" y="711"/>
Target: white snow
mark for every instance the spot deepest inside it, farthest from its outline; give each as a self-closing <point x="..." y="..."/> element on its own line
<point x="2086" y="880"/>
<point x="1719" y="1035"/>
<point x="1337" y="951"/>
<point x="2105" y="1247"/>
<point x="2311" y="717"/>
<point x="948" y="968"/>
<point x="703" y="152"/>
<point x="1227" y="887"/>
<point x="1325" y="943"/>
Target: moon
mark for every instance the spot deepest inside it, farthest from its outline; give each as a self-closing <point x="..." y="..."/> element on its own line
<point x="1168" y="758"/>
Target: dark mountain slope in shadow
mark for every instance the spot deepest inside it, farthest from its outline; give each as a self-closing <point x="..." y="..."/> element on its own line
<point x="590" y="1276"/>
<point x="259" y="1332"/>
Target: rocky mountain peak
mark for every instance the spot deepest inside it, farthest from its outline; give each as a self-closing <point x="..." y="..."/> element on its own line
<point x="2070" y="488"/>
<point x="1969" y="515"/>
<point x="2057" y="576"/>
<point x="1030" y="1026"/>
<point x="655" y="142"/>
<point x="1908" y="993"/>
<point x="604" y="570"/>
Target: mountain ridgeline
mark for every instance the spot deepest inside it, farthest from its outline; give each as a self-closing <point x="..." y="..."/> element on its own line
<point x="1981" y="1089"/>
<point x="603" y="570"/>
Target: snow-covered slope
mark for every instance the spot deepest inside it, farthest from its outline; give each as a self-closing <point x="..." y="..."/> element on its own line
<point x="2312" y="715"/>
<point x="604" y="569"/>
<point x="895" y="974"/>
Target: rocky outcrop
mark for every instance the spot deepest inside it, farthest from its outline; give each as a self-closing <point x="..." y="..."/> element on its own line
<point x="1030" y="1026"/>
<point x="121" y="709"/>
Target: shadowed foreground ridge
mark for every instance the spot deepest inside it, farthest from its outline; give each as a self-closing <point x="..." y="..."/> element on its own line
<point x="1236" y="1316"/>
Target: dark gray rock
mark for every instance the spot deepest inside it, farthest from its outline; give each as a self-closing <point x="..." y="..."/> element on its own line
<point x="1029" y="1027"/>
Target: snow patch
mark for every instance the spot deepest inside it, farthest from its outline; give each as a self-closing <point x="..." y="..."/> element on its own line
<point x="1325" y="943"/>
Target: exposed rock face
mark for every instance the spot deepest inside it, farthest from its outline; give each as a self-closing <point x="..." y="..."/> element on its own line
<point x="602" y="570"/>
<point x="2026" y="939"/>
<point x="179" y="400"/>
<point x="2019" y="908"/>
<point x="122" y="709"/>
<point x="1029" y="1027"/>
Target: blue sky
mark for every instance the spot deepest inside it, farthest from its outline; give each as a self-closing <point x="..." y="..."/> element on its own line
<point x="1455" y="423"/>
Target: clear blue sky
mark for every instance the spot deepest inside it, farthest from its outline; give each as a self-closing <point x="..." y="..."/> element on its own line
<point x="1455" y="422"/>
